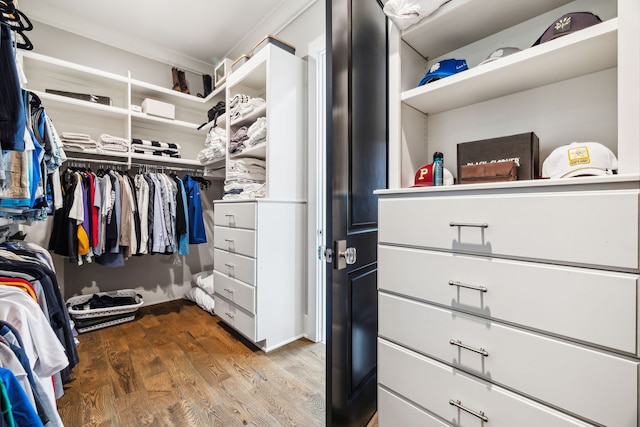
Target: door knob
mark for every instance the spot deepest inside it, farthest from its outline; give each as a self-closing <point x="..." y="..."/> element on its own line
<point x="346" y="256"/>
<point x="349" y="255"/>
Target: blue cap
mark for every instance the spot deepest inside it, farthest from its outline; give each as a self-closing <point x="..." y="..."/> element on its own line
<point x="442" y="69"/>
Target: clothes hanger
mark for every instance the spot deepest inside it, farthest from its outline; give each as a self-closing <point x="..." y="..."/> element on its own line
<point x="18" y="21"/>
<point x="7" y="8"/>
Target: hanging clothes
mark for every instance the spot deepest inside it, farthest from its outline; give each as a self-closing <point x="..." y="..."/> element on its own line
<point x="111" y="217"/>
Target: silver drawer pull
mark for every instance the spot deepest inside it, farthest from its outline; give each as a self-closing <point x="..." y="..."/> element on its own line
<point x="480" y="414"/>
<point x="231" y="215"/>
<point x="469" y="224"/>
<point x="229" y="240"/>
<point x="229" y="265"/>
<point x="229" y="314"/>
<point x="229" y="290"/>
<point x="481" y="351"/>
<point x="464" y="285"/>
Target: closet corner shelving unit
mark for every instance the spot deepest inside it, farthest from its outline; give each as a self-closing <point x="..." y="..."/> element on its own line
<point x="117" y="119"/>
<point x="515" y="303"/>
<point x="259" y="243"/>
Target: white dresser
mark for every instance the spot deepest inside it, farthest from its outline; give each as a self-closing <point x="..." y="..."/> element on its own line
<point x="510" y="306"/>
<point x="258" y="273"/>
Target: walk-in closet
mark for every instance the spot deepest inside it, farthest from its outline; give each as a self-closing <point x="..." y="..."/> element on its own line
<point x="154" y="214"/>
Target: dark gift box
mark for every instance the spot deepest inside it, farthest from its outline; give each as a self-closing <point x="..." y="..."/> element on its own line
<point x="521" y="148"/>
<point x="97" y="99"/>
<point x="488" y="172"/>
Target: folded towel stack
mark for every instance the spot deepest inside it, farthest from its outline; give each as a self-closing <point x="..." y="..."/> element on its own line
<point x="77" y="141"/>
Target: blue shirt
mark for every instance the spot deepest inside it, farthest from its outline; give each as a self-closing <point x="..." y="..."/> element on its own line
<point x="23" y="412"/>
<point x="197" y="232"/>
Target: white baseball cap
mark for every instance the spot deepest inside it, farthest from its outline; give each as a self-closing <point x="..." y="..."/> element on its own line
<point x="579" y="159"/>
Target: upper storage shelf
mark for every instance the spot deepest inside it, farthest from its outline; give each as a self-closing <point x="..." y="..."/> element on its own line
<point x="473" y="19"/>
<point x="584" y="52"/>
<point x="74" y="113"/>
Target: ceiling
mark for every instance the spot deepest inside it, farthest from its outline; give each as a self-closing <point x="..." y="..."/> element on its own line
<point x="200" y="30"/>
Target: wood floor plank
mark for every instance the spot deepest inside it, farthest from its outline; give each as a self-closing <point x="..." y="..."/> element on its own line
<point x="98" y="407"/>
<point x="123" y="374"/>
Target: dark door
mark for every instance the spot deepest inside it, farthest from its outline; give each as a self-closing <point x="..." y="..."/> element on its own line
<point x="357" y="165"/>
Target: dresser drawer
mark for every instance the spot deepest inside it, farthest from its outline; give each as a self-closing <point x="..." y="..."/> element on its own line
<point x="240" y="320"/>
<point x="236" y="215"/>
<point x="233" y="265"/>
<point x="235" y="240"/>
<point x="584" y="304"/>
<point x="559" y="373"/>
<point x="235" y="291"/>
<point x="594" y="228"/>
<point x="433" y="385"/>
<point x="396" y="411"/>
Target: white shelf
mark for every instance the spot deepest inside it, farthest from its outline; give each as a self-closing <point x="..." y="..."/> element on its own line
<point x="522" y="70"/>
<point x="258" y="151"/>
<point x="215" y="164"/>
<point x="151" y="90"/>
<point x="472" y="20"/>
<point x="75" y="115"/>
<point x="151" y="118"/>
<point x="71" y="154"/>
<point x="80" y="105"/>
<point x="143" y="90"/>
<point x="48" y="64"/>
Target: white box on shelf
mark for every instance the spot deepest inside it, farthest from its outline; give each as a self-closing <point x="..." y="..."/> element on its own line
<point x="159" y="108"/>
<point x="222" y="71"/>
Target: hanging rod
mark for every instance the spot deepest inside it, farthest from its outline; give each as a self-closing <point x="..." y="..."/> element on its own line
<point x="149" y="166"/>
<point x="105" y="161"/>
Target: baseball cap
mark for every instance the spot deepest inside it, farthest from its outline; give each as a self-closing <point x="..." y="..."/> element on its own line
<point x="579" y="159"/>
<point x="442" y="69"/>
<point x="500" y="53"/>
<point x="424" y="176"/>
<point x="567" y="24"/>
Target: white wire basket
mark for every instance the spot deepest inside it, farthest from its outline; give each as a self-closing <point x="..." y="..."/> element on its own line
<point x="105" y="324"/>
<point x="107" y="311"/>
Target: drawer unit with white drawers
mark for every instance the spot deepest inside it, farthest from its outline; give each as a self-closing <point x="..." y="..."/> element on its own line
<point x="488" y="318"/>
<point x="258" y="269"/>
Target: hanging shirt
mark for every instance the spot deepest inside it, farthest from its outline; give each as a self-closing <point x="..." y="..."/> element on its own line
<point x="197" y="232"/>
<point x="182" y="219"/>
<point x="12" y="112"/>
<point x="142" y="189"/>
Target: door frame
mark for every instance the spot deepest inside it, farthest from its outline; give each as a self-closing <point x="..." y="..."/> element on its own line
<point x="316" y="199"/>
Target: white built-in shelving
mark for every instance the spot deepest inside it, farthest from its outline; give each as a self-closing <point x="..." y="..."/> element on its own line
<point x="118" y="118"/>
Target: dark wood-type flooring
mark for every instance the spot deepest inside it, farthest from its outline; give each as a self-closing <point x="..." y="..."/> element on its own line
<point x="177" y="365"/>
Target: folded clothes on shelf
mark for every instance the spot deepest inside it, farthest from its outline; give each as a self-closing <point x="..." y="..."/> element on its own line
<point x="155" y="148"/>
<point x="77" y="141"/>
<point x="113" y="143"/>
<point x="245" y="179"/>
<point x="242" y="105"/>
<point x="215" y="146"/>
